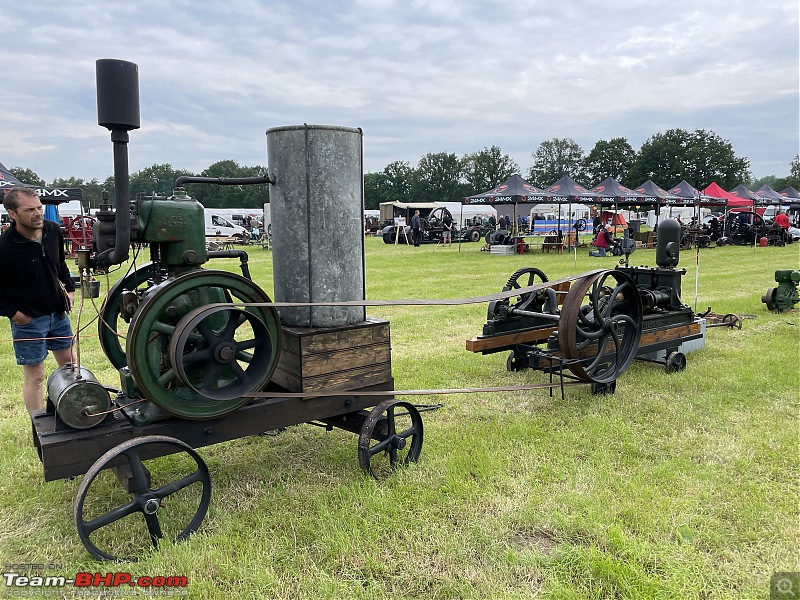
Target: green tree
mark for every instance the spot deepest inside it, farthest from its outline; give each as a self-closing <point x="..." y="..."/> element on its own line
<point x="376" y="190"/>
<point x="158" y="179"/>
<point x="699" y="158"/>
<point x="487" y="169"/>
<point x="439" y="176"/>
<point x="794" y="173"/>
<point x="230" y="196"/>
<point x="399" y="179"/>
<point x="555" y="158"/>
<point x="608" y="159"/>
<point x="26" y="176"/>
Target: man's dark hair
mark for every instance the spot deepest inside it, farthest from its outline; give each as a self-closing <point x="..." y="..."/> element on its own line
<point x="11" y="199"/>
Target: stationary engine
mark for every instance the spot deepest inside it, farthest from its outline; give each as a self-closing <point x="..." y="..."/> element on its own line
<point x="187" y="351"/>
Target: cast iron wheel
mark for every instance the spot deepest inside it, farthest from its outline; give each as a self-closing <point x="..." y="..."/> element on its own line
<point x="397" y="427"/>
<point x="525" y="277"/>
<point x="160" y="518"/>
<point x="600" y="326"/>
<point x="80" y="230"/>
<point x="604" y="388"/>
<point x="732" y="320"/>
<point x="109" y="322"/>
<point x="221" y="352"/>
<point x="528" y="275"/>
<point x="770" y="298"/>
<point x="516" y="363"/>
<point x="156" y="322"/>
<point x="676" y="361"/>
<point x="580" y="225"/>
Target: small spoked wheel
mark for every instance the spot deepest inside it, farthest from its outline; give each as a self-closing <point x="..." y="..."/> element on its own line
<point x="676" y="361"/>
<point x="604" y="388"/>
<point x="515" y="362"/>
<point x="732" y="320"/>
<point x="391" y="437"/>
<point x="128" y="522"/>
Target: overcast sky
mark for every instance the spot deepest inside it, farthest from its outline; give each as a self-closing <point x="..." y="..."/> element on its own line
<point x="417" y="76"/>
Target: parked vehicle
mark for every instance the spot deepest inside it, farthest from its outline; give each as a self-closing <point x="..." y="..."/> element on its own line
<point x="219" y="226"/>
<point x="432" y="216"/>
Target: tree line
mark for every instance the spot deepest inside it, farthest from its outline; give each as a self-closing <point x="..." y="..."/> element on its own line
<point x="667" y="158"/>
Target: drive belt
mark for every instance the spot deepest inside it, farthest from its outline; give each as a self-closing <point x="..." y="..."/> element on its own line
<point x="418" y="302"/>
<point x="440" y="391"/>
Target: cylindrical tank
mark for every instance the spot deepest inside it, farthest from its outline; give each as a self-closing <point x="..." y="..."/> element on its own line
<point x="317" y="207"/>
<point x="668" y="243"/>
<point x="763" y="242"/>
<point x="77" y="396"/>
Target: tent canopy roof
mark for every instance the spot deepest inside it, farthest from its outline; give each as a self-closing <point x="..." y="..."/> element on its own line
<point x="46" y="195"/>
<point x="513" y="190"/>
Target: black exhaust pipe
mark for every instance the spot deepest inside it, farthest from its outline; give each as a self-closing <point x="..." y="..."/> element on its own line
<point x="118" y="111"/>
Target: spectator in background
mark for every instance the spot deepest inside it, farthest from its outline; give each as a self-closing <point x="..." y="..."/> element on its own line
<point x="416" y="228"/>
<point x="603" y="241"/>
<point x="447" y="221"/>
<point x="782" y="220"/>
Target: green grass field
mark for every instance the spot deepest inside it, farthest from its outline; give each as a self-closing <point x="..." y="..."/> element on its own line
<point x="680" y="485"/>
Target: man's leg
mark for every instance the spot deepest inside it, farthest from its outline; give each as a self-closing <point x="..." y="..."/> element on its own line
<point x="63" y="357"/>
<point x="32" y="387"/>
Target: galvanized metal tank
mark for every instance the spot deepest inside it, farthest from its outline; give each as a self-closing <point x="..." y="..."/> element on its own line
<point x="317" y="207"/>
<point x="77" y="396"/>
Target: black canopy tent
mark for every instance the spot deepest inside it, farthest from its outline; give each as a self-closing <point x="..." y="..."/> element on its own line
<point x="766" y="196"/>
<point x="790" y="193"/>
<point x="48" y="195"/>
<point x="565" y="191"/>
<point x="661" y="196"/>
<point x="514" y="190"/>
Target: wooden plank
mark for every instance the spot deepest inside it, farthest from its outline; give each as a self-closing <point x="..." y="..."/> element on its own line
<point x="311" y="340"/>
<point x="510" y="339"/>
<point x="339" y="360"/>
<point x="350" y="379"/>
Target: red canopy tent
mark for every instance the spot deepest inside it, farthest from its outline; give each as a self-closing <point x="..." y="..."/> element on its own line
<point x="734" y="202"/>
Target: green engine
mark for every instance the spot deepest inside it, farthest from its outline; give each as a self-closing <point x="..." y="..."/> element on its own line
<point x="785" y="296"/>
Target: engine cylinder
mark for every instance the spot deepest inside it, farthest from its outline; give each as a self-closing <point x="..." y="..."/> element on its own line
<point x="77" y="396"/>
<point x="668" y="244"/>
<point x="317" y="208"/>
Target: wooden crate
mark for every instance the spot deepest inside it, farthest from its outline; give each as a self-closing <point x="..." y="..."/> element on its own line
<point x="335" y="358"/>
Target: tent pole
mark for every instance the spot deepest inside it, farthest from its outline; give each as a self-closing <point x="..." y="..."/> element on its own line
<point x="461" y="221"/>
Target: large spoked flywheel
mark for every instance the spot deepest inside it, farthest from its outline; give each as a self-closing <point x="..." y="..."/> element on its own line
<point x="195" y="363"/>
<point x="601" y="325"/>
<point x="111" y="313"/>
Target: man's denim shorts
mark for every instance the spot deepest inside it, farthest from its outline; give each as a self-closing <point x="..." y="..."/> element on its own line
<point x="48" y="332"/>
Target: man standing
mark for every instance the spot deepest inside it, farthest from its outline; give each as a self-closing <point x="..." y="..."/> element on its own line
<point x="447" y="231"/>
<point x="32" y="264"/>
<point x="416" y="232"/>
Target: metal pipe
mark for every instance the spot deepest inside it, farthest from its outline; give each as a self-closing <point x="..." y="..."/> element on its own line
<point x="512" y="312"/>
<point x="119" y="253"/>
<point x="180" y="181"/>
<point x="240" y="254"/>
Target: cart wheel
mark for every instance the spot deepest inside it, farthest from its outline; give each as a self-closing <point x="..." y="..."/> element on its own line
<point x="604" y="388"/>
<point x="399" y="438"/>
<point x="101" y="519"/>
<point x="515" y="363"/>
<point x="676" y="361"/>
<point x="732" y="320"/>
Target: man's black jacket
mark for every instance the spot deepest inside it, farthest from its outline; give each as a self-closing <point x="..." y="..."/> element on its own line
<point x="28" y="272"/>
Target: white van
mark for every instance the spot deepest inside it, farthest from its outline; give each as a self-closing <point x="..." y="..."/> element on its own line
<point x="219" y="226"/>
